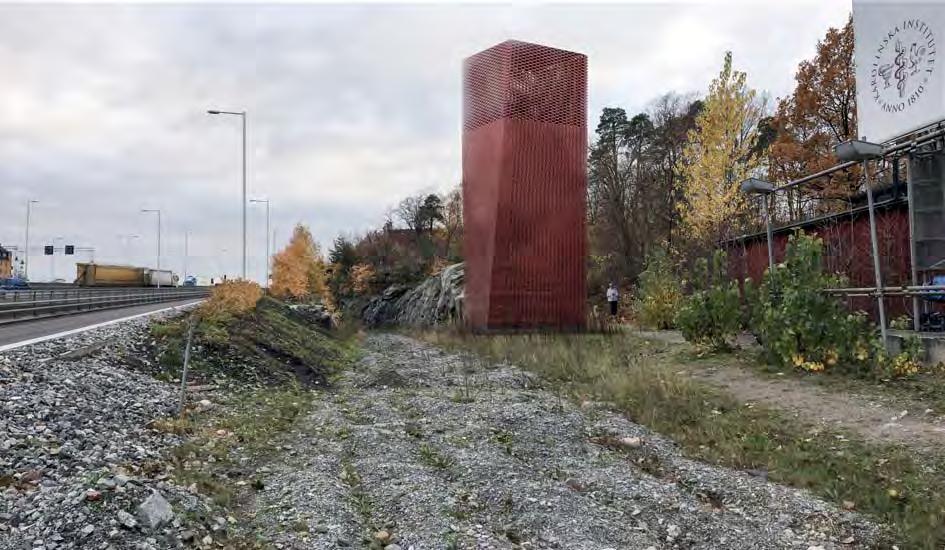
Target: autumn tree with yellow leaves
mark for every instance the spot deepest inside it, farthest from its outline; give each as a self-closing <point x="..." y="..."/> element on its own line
<point x="362" y="277"/>
<point x="721" y="152"/>
<point x="298" y="270"/>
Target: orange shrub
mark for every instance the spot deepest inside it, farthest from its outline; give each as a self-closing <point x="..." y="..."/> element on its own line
<point x="231" y="298"/>
<point x="362" y="275"/>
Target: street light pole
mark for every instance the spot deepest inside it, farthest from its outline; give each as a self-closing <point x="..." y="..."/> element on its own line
<point x="158" y="212"/>
<point x="864" y="151"/>
<point x="764" y="188"/>
<point x="52" y="259"/>
<point x="241" y="114"/>
<point x="244" y="194"/>
<point x="874" y="243"/>
<point x="186" y="238"/>
<point x="26" y="250"/>
<point x="770" y="233"/>
<point x="267" y="236"/>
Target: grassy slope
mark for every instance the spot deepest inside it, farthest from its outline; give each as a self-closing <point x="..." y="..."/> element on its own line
<point x="279" y="355"/>
<point x="639" y="378"/>
<point x="270" y="345"/>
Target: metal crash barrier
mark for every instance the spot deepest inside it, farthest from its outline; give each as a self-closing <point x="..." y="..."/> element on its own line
<point x="25" y="305"/>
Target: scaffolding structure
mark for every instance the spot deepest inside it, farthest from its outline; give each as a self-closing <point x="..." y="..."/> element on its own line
<point x="924" y="152"/>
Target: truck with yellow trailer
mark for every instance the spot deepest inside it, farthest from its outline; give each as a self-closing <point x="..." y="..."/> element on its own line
<point x="93" y="274"/>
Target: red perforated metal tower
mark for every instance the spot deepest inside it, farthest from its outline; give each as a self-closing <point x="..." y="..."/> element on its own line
<point x="524" y="186"/>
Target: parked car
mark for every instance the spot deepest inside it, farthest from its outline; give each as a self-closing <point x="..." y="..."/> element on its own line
<point x="14" y="283"/>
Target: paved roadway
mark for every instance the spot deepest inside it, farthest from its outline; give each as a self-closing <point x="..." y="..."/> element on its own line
<point x="30" y="330"/>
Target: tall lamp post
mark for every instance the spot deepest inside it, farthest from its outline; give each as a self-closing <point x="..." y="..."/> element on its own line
<point x="756" y="186"/>
<point x="158" y="212"/>
<point x="26" y="250"/>
<point x="266" y="201"/>
<point x="52" y="259"/>
<point x="186" y="251"/>
<point x="241" y="114"/>
<point x="864" y="151"/>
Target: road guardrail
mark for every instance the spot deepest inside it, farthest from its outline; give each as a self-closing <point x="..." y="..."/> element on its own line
<point x="25" y="305"/>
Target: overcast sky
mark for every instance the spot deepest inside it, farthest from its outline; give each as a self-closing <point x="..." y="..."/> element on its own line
<point x="351" y="108"/>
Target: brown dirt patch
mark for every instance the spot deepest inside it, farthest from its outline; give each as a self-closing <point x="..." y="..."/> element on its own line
<point x="873" y="415"/>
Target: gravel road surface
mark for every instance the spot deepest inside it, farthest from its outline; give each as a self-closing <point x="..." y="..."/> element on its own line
<point x="417" y="448"/>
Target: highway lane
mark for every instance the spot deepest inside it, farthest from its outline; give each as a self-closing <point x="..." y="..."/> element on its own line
<point x="29" y="331"/>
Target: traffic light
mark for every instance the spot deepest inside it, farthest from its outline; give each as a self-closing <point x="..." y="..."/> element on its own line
<point x="70" y="249"/>
<point x="48" y="250"/>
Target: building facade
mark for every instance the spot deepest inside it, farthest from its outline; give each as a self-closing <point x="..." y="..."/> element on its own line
<point x="6" y="263"/>
<point x="847" y="251"/>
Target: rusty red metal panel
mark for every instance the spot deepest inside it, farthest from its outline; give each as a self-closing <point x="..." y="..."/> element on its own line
<point x="847" y="251"/>
<point x="524" y="186"/>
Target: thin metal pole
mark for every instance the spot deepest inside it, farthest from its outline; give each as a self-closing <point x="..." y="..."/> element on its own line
<point x="186" y="235"/>
<point x="244" y="194"/>
<point x="183" y="376"/>
<point x="159" y="248"/>
<point x="876" y="267"/>
<point x="26" y="266"/>
<point x="267" y="243"/>
<point x="770" y="234"/>
<point x="52" y="259"/>
<point x="916" y="323"/>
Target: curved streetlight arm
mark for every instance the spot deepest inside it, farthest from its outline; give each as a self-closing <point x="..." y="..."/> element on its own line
<point x="241" y="114"/>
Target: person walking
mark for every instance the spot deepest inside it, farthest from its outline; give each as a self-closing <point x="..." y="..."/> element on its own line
<point x="613" y="298"/>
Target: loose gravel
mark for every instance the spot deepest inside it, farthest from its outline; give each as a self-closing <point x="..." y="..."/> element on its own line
<point x="412" y="448"/>
<point x="418" y="448"/>
<point x="79" y="466"/>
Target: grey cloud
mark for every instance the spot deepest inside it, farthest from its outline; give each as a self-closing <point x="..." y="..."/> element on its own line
<point x="102" y="107"/>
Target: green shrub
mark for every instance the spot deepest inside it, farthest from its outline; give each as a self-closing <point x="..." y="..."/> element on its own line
<point x="659" y="293"/>
<point x="800" y="326"/>
<point x="903" y="322"/>
<point x="712" y="315"/>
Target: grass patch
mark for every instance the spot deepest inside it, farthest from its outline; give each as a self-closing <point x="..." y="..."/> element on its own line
<point x="504" y="439"/>
<point x="885" y="481"/>
<point x="462" y="396"/>
<point x="248" y="422"/>
<point x="434" y="458"/>
<point x="361" y="502"/>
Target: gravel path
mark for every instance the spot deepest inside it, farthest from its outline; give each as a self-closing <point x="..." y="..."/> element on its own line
<point x="416" y="448"/>
<point x="874" y="416"/>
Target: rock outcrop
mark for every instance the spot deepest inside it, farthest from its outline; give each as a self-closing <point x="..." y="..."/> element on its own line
<point x="436" y="301"/>
<point x="316" y="314"/>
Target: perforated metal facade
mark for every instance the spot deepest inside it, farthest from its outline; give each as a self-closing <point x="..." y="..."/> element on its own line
<point x="524" y="185"/>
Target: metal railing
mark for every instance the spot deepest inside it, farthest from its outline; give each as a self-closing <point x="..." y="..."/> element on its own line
<point x="25" y="305"/>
